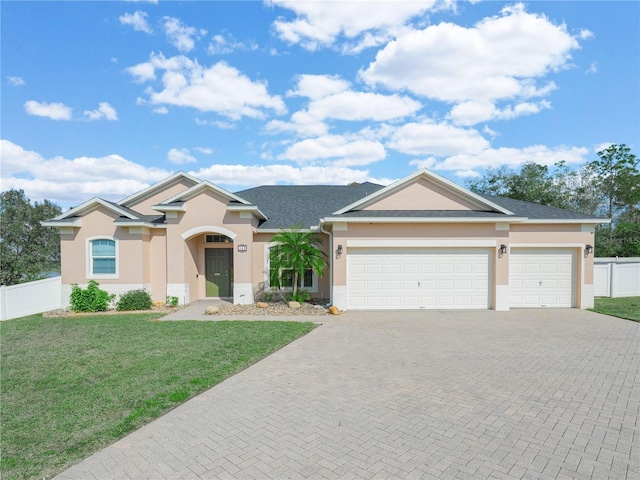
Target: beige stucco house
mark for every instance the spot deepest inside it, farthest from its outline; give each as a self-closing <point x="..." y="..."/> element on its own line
<point x="422" y="242"/>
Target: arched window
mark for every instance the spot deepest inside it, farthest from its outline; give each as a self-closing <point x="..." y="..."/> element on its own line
<point x="102" y="257"/>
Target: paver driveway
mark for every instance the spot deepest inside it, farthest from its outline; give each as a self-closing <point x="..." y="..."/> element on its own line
<point x="521" y="394"/>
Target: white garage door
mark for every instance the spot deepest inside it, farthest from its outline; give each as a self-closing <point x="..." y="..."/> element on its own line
<point x="412" y="278"/>
<point x="541" y="277"/>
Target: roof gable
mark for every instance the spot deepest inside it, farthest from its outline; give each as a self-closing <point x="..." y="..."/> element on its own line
<point x="179" y="181"/>
<point x="95" y="203"/>
<point x="424" y="191"/>
<point x="199" y="189"/>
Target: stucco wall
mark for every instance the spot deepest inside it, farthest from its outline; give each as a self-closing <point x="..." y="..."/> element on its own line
<point x="422" y="195"/>
<point x="99" y="224"/>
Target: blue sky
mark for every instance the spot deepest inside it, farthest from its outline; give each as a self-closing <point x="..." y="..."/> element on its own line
<point x="105" y="98"/>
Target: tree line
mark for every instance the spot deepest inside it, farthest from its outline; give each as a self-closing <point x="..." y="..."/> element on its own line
<point x="608" y="186"/>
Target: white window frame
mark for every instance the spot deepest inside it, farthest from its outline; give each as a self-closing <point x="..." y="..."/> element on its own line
<point x="267" y="285"/>
<point x="89" y="260"/>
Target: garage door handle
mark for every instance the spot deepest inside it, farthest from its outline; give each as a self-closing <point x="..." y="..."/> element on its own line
<point x="540" y="284"/>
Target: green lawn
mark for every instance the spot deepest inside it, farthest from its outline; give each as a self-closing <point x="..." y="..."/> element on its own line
<point x="626" y="307"/>
<point x="70" y="386"/>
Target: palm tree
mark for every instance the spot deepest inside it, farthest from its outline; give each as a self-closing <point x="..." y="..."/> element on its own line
<point x="295" y="252"/>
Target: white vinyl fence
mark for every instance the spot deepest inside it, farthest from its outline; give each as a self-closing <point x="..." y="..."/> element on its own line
<point x="29" y="298"/>
<point x="616" y="277"/>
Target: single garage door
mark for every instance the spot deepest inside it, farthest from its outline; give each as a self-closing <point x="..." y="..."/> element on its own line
<point x="541" y="277"/>
<point x="413" y="278"/>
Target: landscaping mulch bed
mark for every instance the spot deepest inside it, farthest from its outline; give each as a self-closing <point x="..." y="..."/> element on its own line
<point x="280" y="309"/>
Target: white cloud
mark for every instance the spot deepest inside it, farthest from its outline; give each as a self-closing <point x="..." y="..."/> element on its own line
<point x="54" y="111"/>
<point x="318" y="86"/>
<point x="429" y="138"/>
<point x="205" y="150"/>
<point x="362" y="24"/>
<point x="602" y="146"/>
<point x="221" y="45"/>
<point x="219" y="88"/>
<point x="180" y="35"/>
<point x="103" y="112"/>
<point x="69" y="182"/>
<point x="500" y="58"/>
<point x="471" y="113"/>
<point x="467" y="174"/>
<point x="180" y="156"/>
<point x="358" y="106"/>
<point x="216" y="123"/>
<point x="161" y="110"/>
<point x="511" y="157"/>
<point x="330" y="98"/>
<point x="143" y="72"/>
<point x="138" y="20"/>
<point x="593" y="68"/>
<point x="235" y="177"/>
<point x="311" y="129"/>
<point x="16" y="81"/>
<point x="336" y="150"/>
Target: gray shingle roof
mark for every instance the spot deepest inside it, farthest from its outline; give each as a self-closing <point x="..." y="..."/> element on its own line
<point x="535" y="211"/>
<point x="289" y="205"/>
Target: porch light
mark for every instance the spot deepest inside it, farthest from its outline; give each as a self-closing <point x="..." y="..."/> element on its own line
<point x="588" y="249"/>
<point x="503" y="249"/>
<point x="339" y="251"/>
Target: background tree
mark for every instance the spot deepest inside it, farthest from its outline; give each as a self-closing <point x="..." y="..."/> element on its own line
<point x="295" y="251"/>
<point x="27" y="249"/>
<point x="608" y="186"/>
<point x="618" y="180"/>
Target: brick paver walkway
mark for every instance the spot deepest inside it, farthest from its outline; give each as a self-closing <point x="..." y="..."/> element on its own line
<point x="537" y="394"/>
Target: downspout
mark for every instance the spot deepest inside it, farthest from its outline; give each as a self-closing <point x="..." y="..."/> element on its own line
<point x="331" y="260"/>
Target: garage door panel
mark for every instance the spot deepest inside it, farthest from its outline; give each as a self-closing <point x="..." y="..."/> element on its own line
<point x="418" y="278"/>
<point x="428" y="269"/>
<point x="541" y="277"/>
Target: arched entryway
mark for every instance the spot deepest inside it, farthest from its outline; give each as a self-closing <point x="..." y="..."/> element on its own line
<point x="212" y="251"/>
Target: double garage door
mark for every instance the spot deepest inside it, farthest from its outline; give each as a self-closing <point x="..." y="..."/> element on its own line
<point x="456" y="278"/>
<point x="412" y="278"/>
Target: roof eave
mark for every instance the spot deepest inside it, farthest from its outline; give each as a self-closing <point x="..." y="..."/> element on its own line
<point x="340" y="219"/>
<point x="139" y="224"/>
<point x="595" y="221"/>
<point x="76" y="222"/>
<point x="253" y="209"/>
<point x="169" y="208"/>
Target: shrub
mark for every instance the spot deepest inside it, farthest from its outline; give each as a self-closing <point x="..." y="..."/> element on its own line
<point x="300" y="296"/>
<point x="171" y="301"/>
<point x="91" y="299"/>
<point x="134" y="300"/>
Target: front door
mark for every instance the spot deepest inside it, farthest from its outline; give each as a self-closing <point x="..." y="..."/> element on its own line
<point x="219" y="271"/>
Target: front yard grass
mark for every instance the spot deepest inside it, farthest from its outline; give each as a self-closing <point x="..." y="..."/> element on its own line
<point x="625" y="307"/>
<point x="73" y="385"/>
